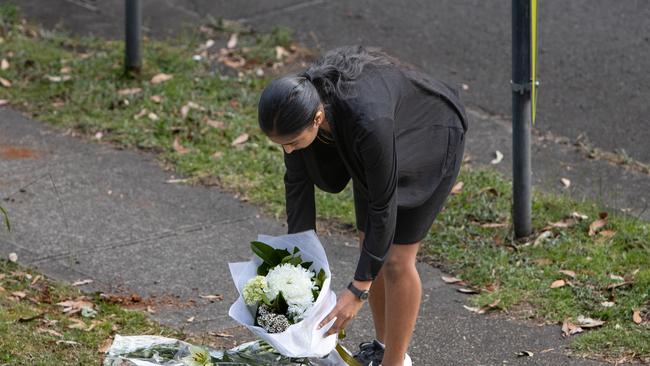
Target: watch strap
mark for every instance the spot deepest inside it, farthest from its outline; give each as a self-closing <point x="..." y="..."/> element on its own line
<point x="360" y="294"/>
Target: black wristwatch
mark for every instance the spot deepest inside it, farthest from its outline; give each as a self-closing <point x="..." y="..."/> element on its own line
<point x="361" y="294"/>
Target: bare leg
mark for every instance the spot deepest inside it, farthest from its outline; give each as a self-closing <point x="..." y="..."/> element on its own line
<point x="403" y="291"/>
<point x="377" y="301"/>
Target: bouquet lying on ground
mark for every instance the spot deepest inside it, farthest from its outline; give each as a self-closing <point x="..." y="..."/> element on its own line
<point x="285" y="292"/>
<point x="284" y="289"/>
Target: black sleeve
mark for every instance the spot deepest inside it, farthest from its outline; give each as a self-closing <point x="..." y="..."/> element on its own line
<point x="299" y="194"/>
<point x="376" y="147"/>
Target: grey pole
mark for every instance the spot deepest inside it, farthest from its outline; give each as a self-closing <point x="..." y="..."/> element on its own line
<point x="133" y="11"/>
<point x="521" y="122"/>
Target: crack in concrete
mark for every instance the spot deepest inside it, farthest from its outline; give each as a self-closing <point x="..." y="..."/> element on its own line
<point x="183" y="230"/>
<point x="285" y="9"/>
<point x="84" y="5"/>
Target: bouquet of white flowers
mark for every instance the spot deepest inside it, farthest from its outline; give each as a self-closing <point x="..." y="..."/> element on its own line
<point x="284" y="294"/>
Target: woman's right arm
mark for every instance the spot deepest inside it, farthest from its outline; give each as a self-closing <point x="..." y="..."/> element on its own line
<point x="299" y="194"/>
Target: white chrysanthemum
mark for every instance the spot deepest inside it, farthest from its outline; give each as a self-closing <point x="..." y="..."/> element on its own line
<point x="254" y="290"/>
<point x="295" y="282"/>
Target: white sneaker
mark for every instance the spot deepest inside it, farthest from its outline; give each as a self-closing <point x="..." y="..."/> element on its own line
<point x="407" y="361"/>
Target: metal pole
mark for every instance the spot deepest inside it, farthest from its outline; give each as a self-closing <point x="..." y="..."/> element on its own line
<point x="133" y="12"/>
<point x="521" y="122"/>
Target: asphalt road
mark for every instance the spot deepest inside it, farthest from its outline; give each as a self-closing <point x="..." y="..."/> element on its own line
<point x="593" y="56"/>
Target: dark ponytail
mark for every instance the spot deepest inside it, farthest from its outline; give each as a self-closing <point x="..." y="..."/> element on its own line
<point x="289" y="104"/>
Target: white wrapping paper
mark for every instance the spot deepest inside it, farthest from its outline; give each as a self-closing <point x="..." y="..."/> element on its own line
<point x="302" y="339"/>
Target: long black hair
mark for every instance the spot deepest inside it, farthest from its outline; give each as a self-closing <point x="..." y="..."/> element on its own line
<point x="289" y="104"/>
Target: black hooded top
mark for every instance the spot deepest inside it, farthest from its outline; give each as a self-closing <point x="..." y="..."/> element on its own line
<point x="380" y="131"/>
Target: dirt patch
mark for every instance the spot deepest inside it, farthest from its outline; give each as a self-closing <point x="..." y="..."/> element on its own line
<point x="9" y="152"/>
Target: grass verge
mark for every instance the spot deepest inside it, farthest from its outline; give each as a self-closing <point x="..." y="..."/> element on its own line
<point x="34" y="330"/>
<point x="202" y="122"/>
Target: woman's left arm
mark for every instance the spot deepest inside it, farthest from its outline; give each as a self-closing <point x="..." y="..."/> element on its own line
<point x="376" y="148"/>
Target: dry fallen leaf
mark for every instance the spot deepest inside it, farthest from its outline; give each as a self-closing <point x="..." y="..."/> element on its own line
<point x="565" y="182"/>
<point x="180" y="148"/>
<point x="82" y="282"/>
<point x="240" y="139"/>
<point x="457" y="188"/>
<point x="608" y="233"/>
<point x="493" y="225"/>
<point x="596" y="225"/>
<point x="579" y="216"/>
<point x="544" y="236"/>
<point x="142" y="113"/>
<point x="234" y="62"/>
<point x="161" y="78"/>
<point x="619" y="284"/>
<point x="19" y="294"/>
<point x="65" y="70"/>
<point x="190" y="319"/>
<point x="131" y="91"/>
<point x="58" y="79"/>
<point x="616" y="277"/>
<point x="280" y="52"/>
<point x="6" y="83"/>
<point x="498" y="158"/>
<point x="77" y="324"/>
<point x="74" y="306"/>
<point x="568" y="222"/>
<point x="49" y="331"/>
<point x="106" y="344"/>
<point x="465" y="290"/>
<point x="568" y="273"/>
<point x="217" y="297"/>
<point x="232" y="42"/>
<point x="474" y="309"/>
<point x="152" y="116"/>
<point x="447" y="279"/>
<point x="558" y="284"/>
<point x="156" y="99"/>
<point x="585" y="322"/>
<point x="222" y="335"/>
<point x="214" y="123"/>
<point x="607" y="304"/>
<point x="150" y="310"/>
<point x="217" y="155"/>
<point x="4" y="64"/>
<point x="524" y="354"/>
<point x="569" y="329"/>
<point x="13" y="257"/>
<point x="636" y="316"/>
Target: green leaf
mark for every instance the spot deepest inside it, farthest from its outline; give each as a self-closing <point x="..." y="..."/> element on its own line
<point x="281" y="304"/>
<point x="295" y="250"/>
<point x="282" y="252"/>
<point x="306" y="265"/>
<point x="287" y="259"/>
<point x="263" y="269"/>
<point x="266" y="252"/>
<point x="320" y="278"/>
<point x="267" y="301"/>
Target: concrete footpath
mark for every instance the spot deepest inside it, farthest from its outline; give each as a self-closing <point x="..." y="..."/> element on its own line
<point x="82" y="210"/>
